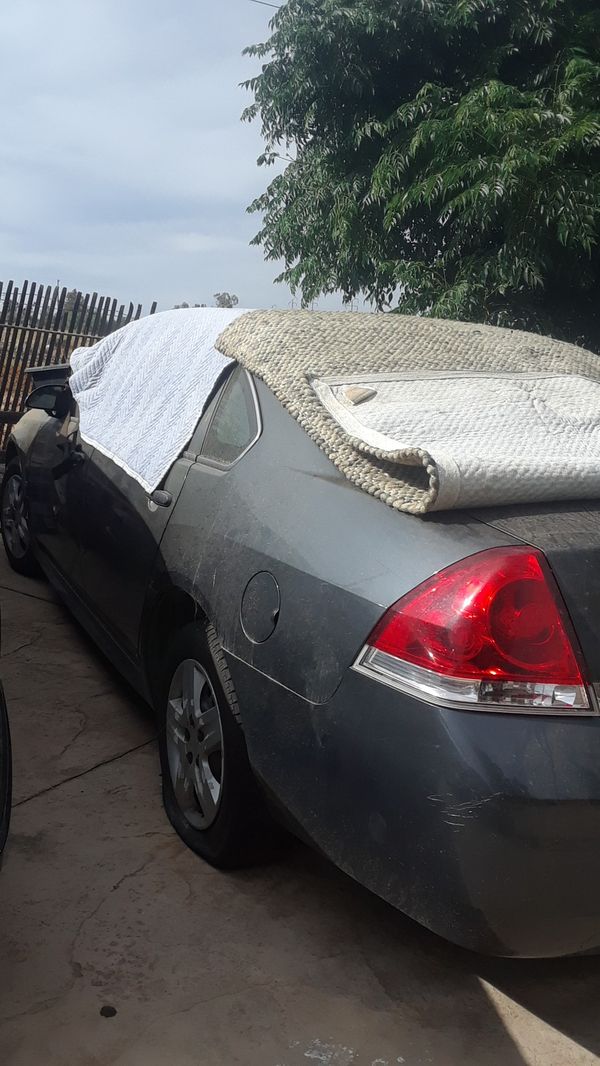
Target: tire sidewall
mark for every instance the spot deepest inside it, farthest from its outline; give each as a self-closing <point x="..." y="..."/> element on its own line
<point x="222" y="843"/>
<point x="27" y="564"/>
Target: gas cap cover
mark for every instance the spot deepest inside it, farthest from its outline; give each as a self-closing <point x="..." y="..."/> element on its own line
<point x="260" y="608"/>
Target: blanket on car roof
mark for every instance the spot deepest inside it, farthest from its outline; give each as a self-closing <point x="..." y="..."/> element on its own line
<point x="421" y="413"/>
<point x="429" y="414"/>
<point x="141" y="390"/>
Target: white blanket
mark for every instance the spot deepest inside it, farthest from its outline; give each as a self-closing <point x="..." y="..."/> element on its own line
<point x="492" y="437"/>
<point x="142" y="389"/>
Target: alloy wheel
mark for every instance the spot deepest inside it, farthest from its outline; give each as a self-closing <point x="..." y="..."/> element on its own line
<point x="14" y="516"/>
<point x="194" y="738"/>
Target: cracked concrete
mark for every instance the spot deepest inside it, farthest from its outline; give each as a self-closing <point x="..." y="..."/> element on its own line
<point x="102" y="909"/>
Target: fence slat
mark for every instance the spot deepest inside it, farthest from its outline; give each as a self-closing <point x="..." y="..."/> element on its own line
<point x="103" y="318"/>
<point x="95" y="326"/>
<point x="36" y="351"/>
<point x="113" y="311"/>
<point x="5" y="305"/>
<point x="12" y="306"/>
<point x="82" y="317"/>
<point x="120" y="315"/>
<point x="53" y="337"/>
<point x="87" y="325"/>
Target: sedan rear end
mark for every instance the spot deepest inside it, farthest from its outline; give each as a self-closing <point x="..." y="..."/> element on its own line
<point x="501" y="781"/>
<point x="455" y="771"/>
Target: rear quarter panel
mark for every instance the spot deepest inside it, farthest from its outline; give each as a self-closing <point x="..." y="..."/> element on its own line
<point x="339" y="556"/>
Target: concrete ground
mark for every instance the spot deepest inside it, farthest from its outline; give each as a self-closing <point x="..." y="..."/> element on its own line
<point x="117" y="945"/>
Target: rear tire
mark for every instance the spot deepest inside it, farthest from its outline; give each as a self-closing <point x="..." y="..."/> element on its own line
<point x="14" y="521"/>
<point x="209" y="791"/>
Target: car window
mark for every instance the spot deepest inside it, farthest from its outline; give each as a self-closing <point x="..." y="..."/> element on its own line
<point x="234" y="425"/>
<point x="195" y="445"/>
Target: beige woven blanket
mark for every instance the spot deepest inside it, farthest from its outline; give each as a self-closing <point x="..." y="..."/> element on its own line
<point x="427" y="414"/>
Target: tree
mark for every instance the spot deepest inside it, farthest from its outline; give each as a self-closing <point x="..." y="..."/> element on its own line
<point x="442" y="156"/>
<point x="225" y="299"/>
<point x="72" y="298"/>
<point x="222" y="299"/>
<point x="73" y="310"/>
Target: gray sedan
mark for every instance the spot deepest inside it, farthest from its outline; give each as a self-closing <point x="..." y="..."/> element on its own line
<point x="414" y="696"/>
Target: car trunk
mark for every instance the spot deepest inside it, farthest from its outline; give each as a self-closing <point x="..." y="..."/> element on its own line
<point x="569" y="536"/>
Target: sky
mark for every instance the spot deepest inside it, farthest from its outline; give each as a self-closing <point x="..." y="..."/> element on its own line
<point x="124" y="167"/>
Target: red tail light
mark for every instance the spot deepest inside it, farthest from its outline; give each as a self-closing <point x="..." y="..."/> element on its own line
<point x="489" y="630"/>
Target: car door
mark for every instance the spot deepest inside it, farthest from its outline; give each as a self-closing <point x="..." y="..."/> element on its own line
<point x="123" y="527"/>
<point x="200" y="539"/>
<point x="56" y="471"/>
<point x="121" y="531"/>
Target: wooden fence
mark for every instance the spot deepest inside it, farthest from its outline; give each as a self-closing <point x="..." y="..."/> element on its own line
<point x="40" y="325"/>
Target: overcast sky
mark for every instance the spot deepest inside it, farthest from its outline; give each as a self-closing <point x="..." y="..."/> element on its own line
<point x="125" y="167"/>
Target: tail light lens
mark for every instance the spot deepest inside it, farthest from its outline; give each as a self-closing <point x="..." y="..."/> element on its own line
<point x="490" y="631"/>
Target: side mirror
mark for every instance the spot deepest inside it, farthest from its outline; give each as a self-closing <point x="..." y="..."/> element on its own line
<point x="55" y="400"/>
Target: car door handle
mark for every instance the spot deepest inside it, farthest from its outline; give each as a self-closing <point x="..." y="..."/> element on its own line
<point x="161" y="498"/>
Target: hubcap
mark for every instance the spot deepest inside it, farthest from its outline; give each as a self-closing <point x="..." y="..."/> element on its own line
<point x="195" y="744"/>
<point x="14" y="517"/>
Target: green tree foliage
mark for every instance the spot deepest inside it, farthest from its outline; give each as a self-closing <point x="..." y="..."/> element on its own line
<point x="442" y="156"/>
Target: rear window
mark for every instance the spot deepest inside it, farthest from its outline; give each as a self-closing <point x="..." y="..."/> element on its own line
<point x="234" y="425"/>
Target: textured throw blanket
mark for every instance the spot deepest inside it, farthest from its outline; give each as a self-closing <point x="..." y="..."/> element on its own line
<point x="142" y="389"/>
<point x="423" y="414"/>
<point x="427" y="414"/>
<point x="491" y="437"/>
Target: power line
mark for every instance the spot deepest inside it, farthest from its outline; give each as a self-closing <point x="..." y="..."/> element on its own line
<point x="263" y="3"/>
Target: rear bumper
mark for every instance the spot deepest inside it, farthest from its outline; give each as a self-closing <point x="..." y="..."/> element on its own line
<point x="483" y="827"/>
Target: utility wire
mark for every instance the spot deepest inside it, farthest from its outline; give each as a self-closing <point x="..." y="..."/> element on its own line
<point x="263" y="3"/>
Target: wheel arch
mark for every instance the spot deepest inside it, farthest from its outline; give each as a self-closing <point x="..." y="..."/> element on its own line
<point x="168" y="612"/>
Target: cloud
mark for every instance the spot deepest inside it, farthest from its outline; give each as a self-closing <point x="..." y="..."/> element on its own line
<point x="192" y="243"/>
<point x="123" y="162"/>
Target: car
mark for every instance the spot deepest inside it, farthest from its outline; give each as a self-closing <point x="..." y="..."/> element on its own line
<point x="415" y="696"/>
